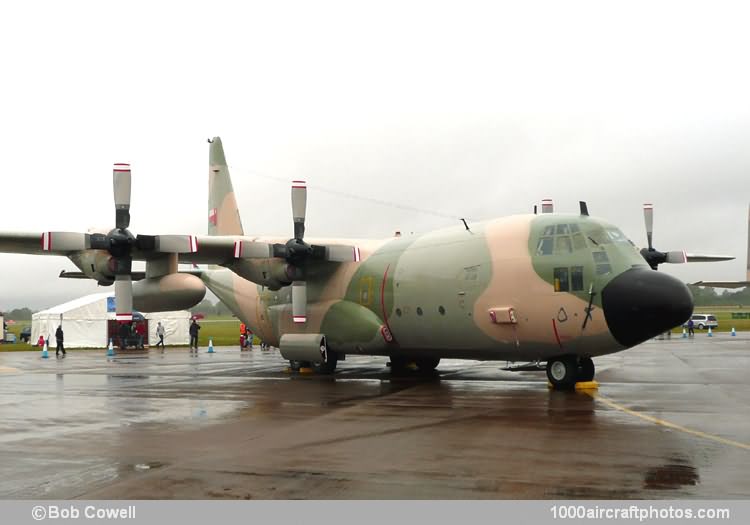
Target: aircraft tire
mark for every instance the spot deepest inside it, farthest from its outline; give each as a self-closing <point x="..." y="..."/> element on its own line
<point x="400" y="366"/>
<point x="586" y="369"/>
<point x="294" y="366"/>
<point x="329" y="367"/>
<point x="562" y="372"/>
<point x="427" y="364"/>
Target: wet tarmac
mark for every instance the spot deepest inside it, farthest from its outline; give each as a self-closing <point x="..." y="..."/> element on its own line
<point x="671" y="419"/>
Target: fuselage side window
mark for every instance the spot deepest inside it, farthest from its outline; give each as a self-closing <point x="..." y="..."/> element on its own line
<point x="576" y="278"/>
<point x="561" y="280"/>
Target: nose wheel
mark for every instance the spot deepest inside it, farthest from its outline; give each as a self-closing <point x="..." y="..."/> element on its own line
<point x="562" y="372"/>
<point x="586" y="369"/>
<point x="565" y="371"/>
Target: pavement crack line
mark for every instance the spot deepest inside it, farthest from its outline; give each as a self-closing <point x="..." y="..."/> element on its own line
<point x="668" y="424"/>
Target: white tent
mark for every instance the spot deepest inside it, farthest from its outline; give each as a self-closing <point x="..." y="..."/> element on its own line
<point x="84" y="321"/>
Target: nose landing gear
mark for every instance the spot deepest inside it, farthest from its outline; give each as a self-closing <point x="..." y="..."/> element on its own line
<point x="565" y="371"/>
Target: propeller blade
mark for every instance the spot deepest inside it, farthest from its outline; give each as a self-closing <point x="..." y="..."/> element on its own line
<point x="341" y="253"/>
<point x="299" y="207"/>
<point x="252" y="250"/>
<point x="648" y="217"/>
<point x="299" y="301"/>
<point x="65" y="241"/>
<point x="123" y="298"/>
<point x="121" y="184"/>
<point x="677" y="257"/>
<point x="699" y="257"/>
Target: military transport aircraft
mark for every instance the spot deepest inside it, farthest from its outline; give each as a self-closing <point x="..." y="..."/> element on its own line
<point x="534" y="288"/>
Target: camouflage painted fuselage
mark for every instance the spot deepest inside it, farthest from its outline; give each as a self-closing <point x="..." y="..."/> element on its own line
<point x="431" y="295"/>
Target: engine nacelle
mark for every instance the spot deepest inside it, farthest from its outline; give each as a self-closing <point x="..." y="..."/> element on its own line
<point x="304" y="347"/>
<point x="273" y="273"/>
<point x="95" y="264"/>
<point x="174" y="291"/>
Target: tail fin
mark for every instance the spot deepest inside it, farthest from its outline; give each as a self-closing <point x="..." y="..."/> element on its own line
<point x="223" y="215"/>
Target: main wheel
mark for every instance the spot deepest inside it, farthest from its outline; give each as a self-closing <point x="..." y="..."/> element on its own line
<point x="586" y="369"/>
<point x="427" y="364"/>
<point x="562" y="372"/>
<point x="400" y="365"/>
<point x="329" y="367"/>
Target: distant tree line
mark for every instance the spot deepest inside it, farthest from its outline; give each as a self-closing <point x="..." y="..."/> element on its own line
<point x="710" y="297"/>
<point x="19" y="314"/>
<point x="208" y="308"/>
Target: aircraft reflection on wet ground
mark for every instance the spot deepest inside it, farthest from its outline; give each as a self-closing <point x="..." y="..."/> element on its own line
<point x="670" y="420"/>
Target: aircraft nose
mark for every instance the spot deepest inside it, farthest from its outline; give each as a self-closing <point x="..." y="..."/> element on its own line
<point x="642" y="303"/>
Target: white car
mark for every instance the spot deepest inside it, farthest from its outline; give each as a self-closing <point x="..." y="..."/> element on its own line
<point x="703" y="321"/>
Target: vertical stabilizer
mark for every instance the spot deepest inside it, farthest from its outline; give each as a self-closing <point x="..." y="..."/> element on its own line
<point x="223" y="215"/>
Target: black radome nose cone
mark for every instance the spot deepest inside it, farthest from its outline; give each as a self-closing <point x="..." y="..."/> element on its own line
<point x="641" y="303"/>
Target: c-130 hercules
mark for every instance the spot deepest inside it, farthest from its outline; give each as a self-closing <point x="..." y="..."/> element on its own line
<point x="554" y="288"/>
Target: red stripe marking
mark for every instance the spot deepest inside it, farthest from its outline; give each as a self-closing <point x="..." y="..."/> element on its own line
<point x="382" y="301"/>
<point x="557" y="336"/>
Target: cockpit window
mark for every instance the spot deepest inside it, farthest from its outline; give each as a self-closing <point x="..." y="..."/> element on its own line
<point x="557" y="239"/>
<point x="563" y="245"/>
<point x="616" y="235"/>
<point x="545" y="246"/>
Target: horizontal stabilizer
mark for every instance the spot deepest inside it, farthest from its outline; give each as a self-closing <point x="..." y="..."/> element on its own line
<point x="136" y="276"/>
<point x="722" y="284"/>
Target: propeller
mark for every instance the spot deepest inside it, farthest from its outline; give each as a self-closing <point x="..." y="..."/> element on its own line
<point x="297" y="253"/>
<point x="120" y="243"/>
<point x="654" y="257"/>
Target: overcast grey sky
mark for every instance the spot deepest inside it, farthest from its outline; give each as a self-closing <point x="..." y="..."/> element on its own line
<point x="465" y="108"/>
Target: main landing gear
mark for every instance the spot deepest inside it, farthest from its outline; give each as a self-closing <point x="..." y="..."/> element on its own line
<point x="565" y="371"/>
<point x="404" y="365"/>
<point x="327" y="368"/>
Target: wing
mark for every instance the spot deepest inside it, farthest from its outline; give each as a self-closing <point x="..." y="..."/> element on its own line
<point x="26" y="242"/>
<point x="722" y="284"/>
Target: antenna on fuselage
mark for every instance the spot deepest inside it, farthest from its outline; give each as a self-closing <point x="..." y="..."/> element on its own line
<point x="465" y="225"/>
<point x="534" y="209"/>
<point x="584" y="208"/>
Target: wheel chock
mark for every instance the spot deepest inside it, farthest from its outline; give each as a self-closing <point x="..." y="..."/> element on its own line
<point x="306" y="370"/>
<point x="587" y="385"/>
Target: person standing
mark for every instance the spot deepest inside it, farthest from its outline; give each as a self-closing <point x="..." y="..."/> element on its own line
<point x="59" y="336"/>
<point x="691" y="328"/>
<point x="194" y="328"/>
<point x="160" y="335"/>
<point x="140" y="330"/>
<point x="124" y="335"/>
